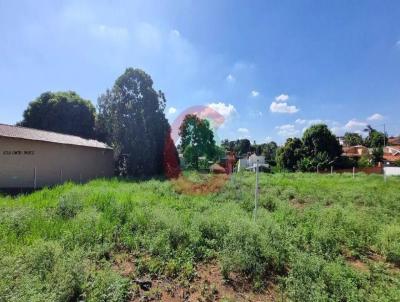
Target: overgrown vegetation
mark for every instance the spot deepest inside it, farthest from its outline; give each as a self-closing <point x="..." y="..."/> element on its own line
<point x="316" y="237"/>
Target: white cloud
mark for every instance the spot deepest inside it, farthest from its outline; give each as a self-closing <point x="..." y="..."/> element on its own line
<point x="300" y="121"/>
<point x="354" y="125"/>
<point x="243" y="130"/>
<point x="171" y="110"/>
<point x="283" y="108"/>
<point x="254" y="93"/>
<point x="282" y="98"/>
<point x="287" y="130"/>
<point x="230" y="78"/>
<point x="226" y="110"/>
<point x="375" y="117"/>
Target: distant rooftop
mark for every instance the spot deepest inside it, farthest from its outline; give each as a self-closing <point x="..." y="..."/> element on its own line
<point x="48" y="136"/>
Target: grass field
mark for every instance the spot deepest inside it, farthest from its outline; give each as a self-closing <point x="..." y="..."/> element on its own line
<point x="315" y="238"/>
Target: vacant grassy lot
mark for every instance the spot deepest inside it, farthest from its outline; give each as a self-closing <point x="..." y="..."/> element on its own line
<point x="315" y="238"/>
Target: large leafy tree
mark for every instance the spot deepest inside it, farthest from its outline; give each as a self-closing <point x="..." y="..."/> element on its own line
<point x="289" y="155"/>
<point x="375" y="138"/>
<point x="197" y="139"/>
<point x="352" y="139"/>
<point x="63" y="112"/>
<point x="240" y="146"/>
<point x="131" y="118"/>
<point x="319" y="139"/>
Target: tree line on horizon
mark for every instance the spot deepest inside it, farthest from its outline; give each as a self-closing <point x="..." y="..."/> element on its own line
<point x="130" y="118"/>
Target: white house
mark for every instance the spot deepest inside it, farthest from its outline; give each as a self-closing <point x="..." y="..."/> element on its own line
<point x="250" y="162"/>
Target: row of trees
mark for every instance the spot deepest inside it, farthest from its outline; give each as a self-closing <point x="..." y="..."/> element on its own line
<point x="319" y="149"/>
<point x="130" y="118"/>
<point x="374" y="138"/>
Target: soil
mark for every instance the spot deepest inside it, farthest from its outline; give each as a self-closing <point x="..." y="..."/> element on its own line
<point x="208" y="285"/>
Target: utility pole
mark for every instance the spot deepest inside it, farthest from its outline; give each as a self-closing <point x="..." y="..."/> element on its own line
<point x="384" y="134"/>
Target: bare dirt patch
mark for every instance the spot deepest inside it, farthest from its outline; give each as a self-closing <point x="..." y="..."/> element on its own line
<point x="208" y="285"/>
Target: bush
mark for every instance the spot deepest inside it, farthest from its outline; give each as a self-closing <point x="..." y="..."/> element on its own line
<point x="390" y="243"/>
<point x="253" y="251"/>
<point x="105" y="286"/>
<point x="314" y="279"/>
<point x="69" y="205"/>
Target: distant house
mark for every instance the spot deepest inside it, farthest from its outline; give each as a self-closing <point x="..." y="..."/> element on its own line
<point x="250" y="162"/>
<point x="355" y="152"/>
<point x="394" y="141"/>
<point x="391" y="154"/>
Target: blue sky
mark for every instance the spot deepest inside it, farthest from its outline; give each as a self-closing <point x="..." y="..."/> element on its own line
<point x="271" y="68"/>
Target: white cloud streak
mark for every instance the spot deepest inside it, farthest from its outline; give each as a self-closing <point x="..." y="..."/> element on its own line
<point x="282" y="98"/>
<point x="254" y="93"/>
<point x="375" y="117"/>
<point x="287" y="130"/>
<point x="283" y="108"/>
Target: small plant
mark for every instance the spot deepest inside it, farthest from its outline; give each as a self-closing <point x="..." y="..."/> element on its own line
<point x="68" y="206"/>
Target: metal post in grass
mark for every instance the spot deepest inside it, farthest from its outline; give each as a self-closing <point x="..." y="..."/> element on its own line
<point x="331" y="169"/>
<point x="354" y="172"/>
<point x="256" y="193"/>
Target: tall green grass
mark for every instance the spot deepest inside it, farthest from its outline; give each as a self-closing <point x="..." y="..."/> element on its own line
<point x="59" y="244"/>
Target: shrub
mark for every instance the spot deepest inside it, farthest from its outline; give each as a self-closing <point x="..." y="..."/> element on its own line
<point x="314" y="279"/>
<point x="69" y="205"/>
<point x="390" y="243"/>
<point x="105" y="286"/>
<point x="252" y="251"/>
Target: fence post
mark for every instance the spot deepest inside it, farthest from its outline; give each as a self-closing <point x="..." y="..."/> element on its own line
<point x="331" y="169"/>
<point x="354" y="172"/>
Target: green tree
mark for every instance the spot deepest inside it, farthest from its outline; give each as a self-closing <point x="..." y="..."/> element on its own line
<point x="375" y="139"/>
<point x="63" y="112"/>
<point x="353" y="139"/>
<point x="318" y="139"/>
<point x="197" y="139"/>
<point x="377" y="155"/>
<point x="290" y="154"/>
<point x="131" y="118"/>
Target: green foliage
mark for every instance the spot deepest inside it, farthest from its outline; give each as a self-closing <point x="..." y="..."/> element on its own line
<point x="131" y="119"/>
<point x="105" y="286"/>
<point x="364" y="162"/>
<point x="353" y="139"/>
<point x="390" y="243"/>
<point x="377" y="155"/>
<point x="289" y="155"/>
<point x="318" y="139"/>
<point x="344" y="162"/>
<point x="240" y="146"/>
<point x="375" y="139"/>
<point x="197" y="139"/>
<point x="64" y="112"/>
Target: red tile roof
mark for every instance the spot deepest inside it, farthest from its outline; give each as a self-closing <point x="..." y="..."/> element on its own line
<point x="390" y="157"/>
<point x="47" y="136"/>
<point x="394" y="141"/>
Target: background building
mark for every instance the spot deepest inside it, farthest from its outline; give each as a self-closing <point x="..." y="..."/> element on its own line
<point x="31" y="158"/>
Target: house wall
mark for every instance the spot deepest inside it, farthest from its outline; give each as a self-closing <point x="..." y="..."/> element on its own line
<point x="52" y="163"/>
<point x="392" y="171"/>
